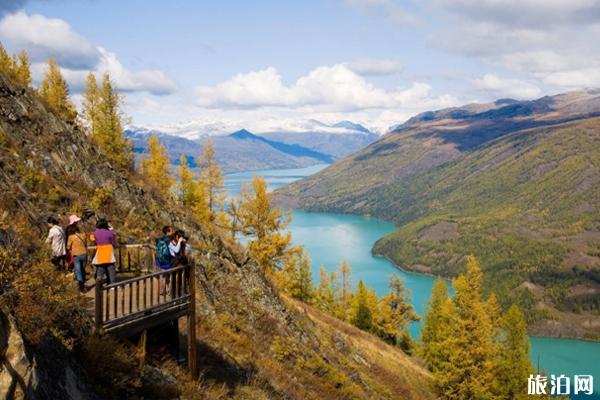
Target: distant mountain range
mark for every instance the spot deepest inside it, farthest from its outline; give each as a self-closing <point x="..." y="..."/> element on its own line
<point x="516" y="183"/>
<point x="243" y="150"/>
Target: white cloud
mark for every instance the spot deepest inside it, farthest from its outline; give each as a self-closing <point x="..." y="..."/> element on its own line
<point x="513" y="88"/>
<point x="574" y="79"/>
<point x="543" y="40"/>
<point x="326" y="88"/>
<point x="44" y="37"/>
<point x="152" y="81"/>
<point x="373" y="67"/>
<point x="262" y="101"/>
<point x="525" y="13"/>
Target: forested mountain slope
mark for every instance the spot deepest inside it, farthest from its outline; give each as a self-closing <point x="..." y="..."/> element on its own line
<point x="253" y="344"/>
<point x="514" y="183"/>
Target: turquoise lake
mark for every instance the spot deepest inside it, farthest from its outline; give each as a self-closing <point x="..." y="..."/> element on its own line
<point x="331" y="238"/>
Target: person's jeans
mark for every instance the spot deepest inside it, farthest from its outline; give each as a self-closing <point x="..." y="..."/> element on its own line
<point x="107" y="270"/>
<point x="80" y="262"/>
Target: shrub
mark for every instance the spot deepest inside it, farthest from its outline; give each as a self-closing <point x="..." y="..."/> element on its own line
<point x="100" y="198"/>
<point x="48" y="303"/>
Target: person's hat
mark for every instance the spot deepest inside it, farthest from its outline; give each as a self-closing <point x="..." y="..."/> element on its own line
<point x="74" y="218"/>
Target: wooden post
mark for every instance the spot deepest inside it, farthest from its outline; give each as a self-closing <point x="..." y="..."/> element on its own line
<point x="139" y="262"/>
<point x="191" y="322"/>
<point x="142" y="349"/>
<point x="120" y="258"/>
<point x="98" y="300"/>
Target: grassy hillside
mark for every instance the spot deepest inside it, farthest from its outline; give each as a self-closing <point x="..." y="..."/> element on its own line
<point x="526" y="202"/>
<point x="253" y="344"/>
<point x="526" y="205"/>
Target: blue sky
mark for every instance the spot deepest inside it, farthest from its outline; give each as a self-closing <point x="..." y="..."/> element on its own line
<point x="264" y="65"/>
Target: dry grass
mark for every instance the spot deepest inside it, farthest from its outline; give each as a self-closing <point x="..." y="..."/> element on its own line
<point x="382" y="364"/>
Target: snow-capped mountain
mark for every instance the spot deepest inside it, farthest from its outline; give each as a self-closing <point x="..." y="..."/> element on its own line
<point x="281" y="144"/>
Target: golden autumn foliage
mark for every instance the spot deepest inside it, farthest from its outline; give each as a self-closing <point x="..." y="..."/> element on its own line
<point x="264" y="225"/>
<point x="186" y="191"/>
<point x="43" y="300"/>
<point x="17" y="67"/>
<point x="105" y="119"/>
<point x="361" y="315"/>
<point x="295" y="278"/>
<point x="22" y="69"/>
<point x="155" y="168"/>
<point x="327" y="292"/>
<point x="91" y="104"/>
<point x="393" y="312"/>
<point x="472" y="350"/>
<point x="54" y="90"/>
<point x="212" y="178"/>
<point x="7" y="63"/>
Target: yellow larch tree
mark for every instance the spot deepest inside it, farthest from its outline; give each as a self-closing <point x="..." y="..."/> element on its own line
<point x="345" y="272"/>
<point x="212" y="177"/>
<point x="295" y="278"/>
<point x="394" y="312"/>
<point x="186" y="190"/>
<point x="437" y="322"/>
<point x="155" y="168"/>
<point x="514" y="365"/>
<point x="22" y="68"/>
<point x="361" y="315"/>
<point x="54" y="91"/>
<point x="108" y="127"/>
<point x="468" y="373"/>
<point x="7" y="63"/>
<point x="91" y="104"/>
<point x="326" y="293"/>
<point x="265" y="225"/>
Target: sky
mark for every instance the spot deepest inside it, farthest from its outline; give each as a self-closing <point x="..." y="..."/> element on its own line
<point x="217" y="66"/>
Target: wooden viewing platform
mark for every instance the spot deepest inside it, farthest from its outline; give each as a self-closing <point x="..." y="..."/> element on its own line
<point x="132" y="306"/>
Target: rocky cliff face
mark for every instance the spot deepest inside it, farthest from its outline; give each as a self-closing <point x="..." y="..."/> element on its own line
<point x="253" y="344"/>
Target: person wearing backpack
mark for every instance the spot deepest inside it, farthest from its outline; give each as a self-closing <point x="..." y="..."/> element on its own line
<point x="56" y="239"/>
<point x="104" y="259"/>
<point x="77" y="246"/>
<point x="163" y="255"/>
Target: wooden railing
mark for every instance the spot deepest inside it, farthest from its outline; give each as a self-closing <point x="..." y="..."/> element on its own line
<point x="131" y="258"/>
<point x="134" y="305"/>
<point x="139" y="303"/>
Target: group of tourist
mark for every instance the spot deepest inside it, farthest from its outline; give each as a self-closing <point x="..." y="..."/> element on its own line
<point x="69" y="248"/>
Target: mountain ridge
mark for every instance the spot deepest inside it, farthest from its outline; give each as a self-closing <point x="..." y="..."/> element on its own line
<point x="443" y="178"/>
<point x="243" y="150"/>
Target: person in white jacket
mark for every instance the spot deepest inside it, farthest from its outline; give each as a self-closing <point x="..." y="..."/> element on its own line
<point x="57" y="241"/>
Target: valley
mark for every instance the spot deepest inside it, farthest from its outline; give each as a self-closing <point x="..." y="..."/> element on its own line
<point x="516" y="185"/>
<point x="331" y="238"/>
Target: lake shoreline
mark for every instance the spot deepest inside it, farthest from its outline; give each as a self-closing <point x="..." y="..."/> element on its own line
<point x="333" y="236"/>
<point x="533" y="331"/>
<point x="542" y="329"/>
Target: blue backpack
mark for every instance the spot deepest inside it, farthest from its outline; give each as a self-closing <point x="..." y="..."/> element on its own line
<point x="163" y="255"/>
